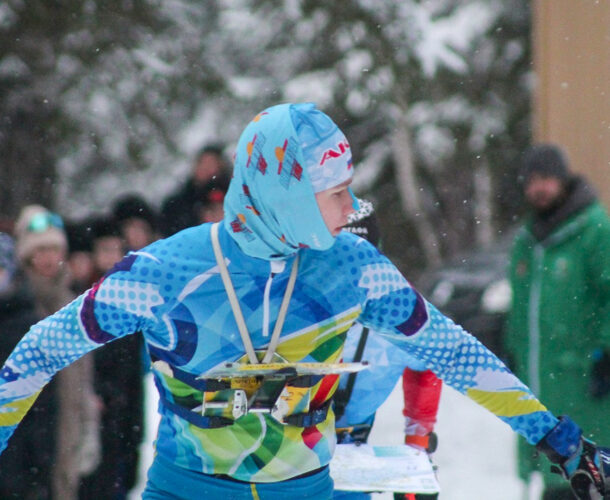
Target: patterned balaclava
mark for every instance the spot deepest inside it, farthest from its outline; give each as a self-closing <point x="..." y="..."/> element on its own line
<point x="284" y="156"/>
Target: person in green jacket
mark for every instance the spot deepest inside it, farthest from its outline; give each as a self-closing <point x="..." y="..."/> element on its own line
<point x="558" y="333"/>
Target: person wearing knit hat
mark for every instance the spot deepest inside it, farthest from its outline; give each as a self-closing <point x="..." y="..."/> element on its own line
<point x="133" y="206"/>
<point x="26" y="470"/>
<point x="136" y="220"/>
<point x="36" y="228"/>
<point x="558" y="330"/>
<point x="276" y="282"/>
<point x="118" y="367"/>
<point x="545" y="160"/>
<point x="546" y="177"/>
<point x="42" y="247"/>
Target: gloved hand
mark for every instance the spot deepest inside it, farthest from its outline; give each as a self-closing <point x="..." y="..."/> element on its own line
<point x="585" y="465"/>
<point x="599" y="385"/>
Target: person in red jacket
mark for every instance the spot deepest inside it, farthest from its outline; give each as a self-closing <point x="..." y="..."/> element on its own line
<point x="422" y="393"/>
<point x="360" y="394"/>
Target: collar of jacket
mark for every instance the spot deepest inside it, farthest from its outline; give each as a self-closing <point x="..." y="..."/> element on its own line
<point x="253" y="266"/>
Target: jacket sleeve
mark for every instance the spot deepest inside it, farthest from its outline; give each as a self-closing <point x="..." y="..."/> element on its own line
<point x="398" y="310"/>
<point x="101" y="314"/>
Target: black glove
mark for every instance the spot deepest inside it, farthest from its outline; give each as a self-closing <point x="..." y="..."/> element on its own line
<point x="600" y="374"/>
<point x="585" y="465"/>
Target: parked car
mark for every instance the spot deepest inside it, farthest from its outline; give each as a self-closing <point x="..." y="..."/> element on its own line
<point x="474" y="291"/>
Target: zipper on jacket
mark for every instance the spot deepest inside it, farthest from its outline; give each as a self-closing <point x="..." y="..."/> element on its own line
<point x="277" y="266"/>
<point x="534" y="321"/>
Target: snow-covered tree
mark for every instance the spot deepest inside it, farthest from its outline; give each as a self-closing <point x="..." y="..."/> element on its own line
<point x="100" y="98"/>
<point x="433" y="95"/>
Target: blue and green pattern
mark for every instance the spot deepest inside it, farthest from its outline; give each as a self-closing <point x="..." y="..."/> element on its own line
<point x="171" y="292"/>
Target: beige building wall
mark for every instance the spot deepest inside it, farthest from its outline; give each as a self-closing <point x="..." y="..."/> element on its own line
<point x="571" y="44"/>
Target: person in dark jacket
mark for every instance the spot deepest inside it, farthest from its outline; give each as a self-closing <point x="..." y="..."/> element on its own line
<point x="41" y="247"/>
<point x="559" y="324"/>
<point x="80" y="255"/>
<point x="184" y="207"/>
<point x="118" y="382"/>
<point x="25" y="471"/>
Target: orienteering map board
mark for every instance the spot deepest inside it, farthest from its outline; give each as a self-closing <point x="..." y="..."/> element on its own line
<point x="401" y="469"/>
<point x="287" y="369"/>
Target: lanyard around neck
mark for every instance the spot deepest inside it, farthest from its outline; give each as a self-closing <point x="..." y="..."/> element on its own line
<point x="237" y="313"/>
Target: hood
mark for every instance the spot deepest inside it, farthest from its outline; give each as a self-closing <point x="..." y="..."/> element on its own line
<point x="284" y="156"/>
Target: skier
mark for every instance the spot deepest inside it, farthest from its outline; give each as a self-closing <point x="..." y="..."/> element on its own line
<point x="359" y="395"/>
<point x="277" y="280"/>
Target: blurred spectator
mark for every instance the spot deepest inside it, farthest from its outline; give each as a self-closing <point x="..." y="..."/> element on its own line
<point x="182" y="208"/>
<point x="213" y="209"/>
<point x="42" y="245"/>
<point x="80" y="255"/>
<point x="119" y="384"/>
<point x="25" y="469"/>
<point x="559" y="324"/>
<point x="137" y="221"/>
<point x="7" y="224"/>
<point x="106" y="245"/>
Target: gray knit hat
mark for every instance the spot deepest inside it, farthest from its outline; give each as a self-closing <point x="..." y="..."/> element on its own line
<point x="38" y="227"/>
<point x="547" y="160"/>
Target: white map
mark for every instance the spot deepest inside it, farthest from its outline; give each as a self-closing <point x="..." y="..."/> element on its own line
<point x="382" y="468"/>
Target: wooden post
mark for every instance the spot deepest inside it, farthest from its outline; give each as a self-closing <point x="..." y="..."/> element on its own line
<point x="571" y="46"/>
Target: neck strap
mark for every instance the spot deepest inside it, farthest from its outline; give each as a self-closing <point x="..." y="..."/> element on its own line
<point x="237" y="313"/>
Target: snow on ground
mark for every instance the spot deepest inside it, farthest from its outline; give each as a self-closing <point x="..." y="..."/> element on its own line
<point x="475" y="457"/>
